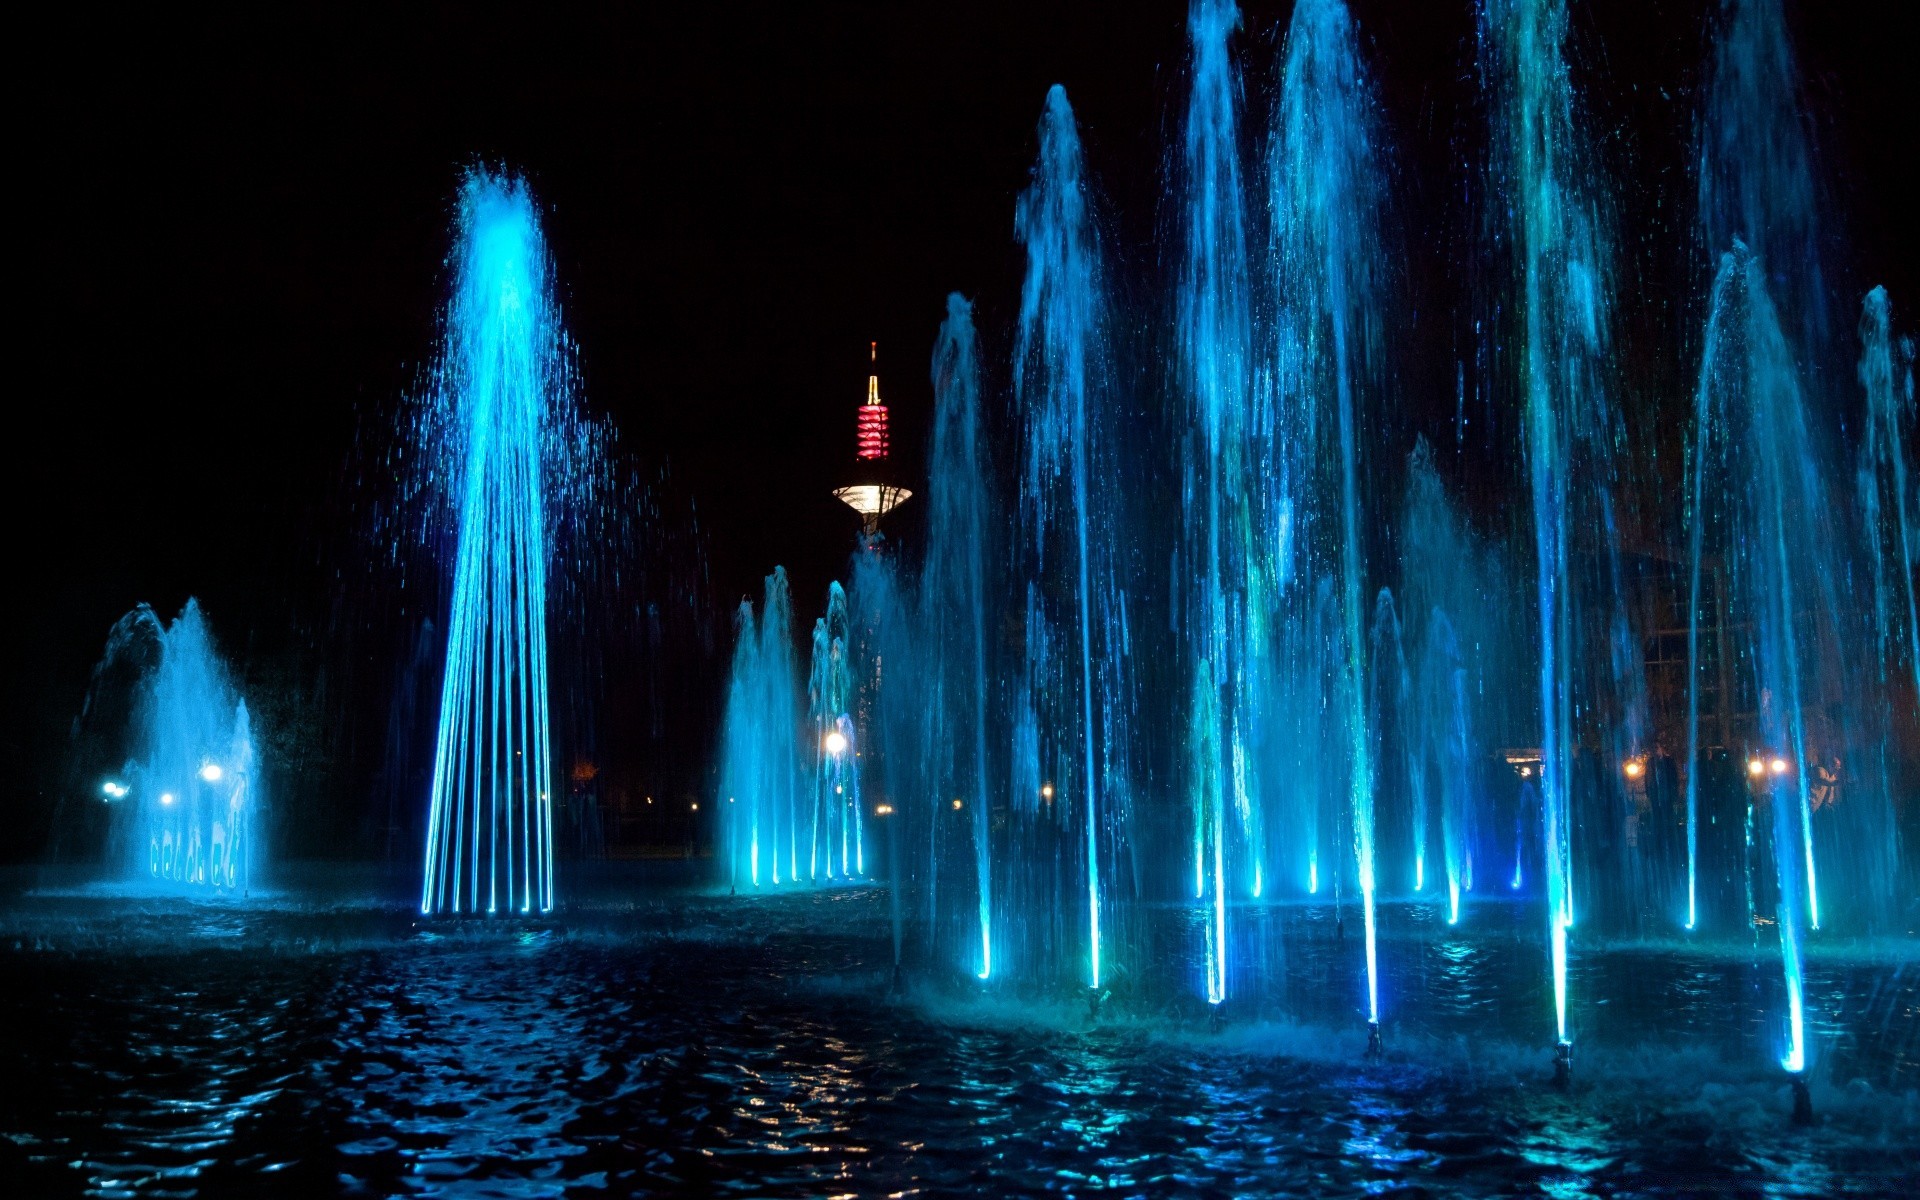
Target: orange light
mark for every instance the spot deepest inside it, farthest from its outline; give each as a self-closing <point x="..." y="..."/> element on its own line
<point x="956" y="806"/>
<point x="1525" y="772"/>
<point x="1779" y="766"/>
<point x="882" y="810"/>
<point x="1756" y="768"/>
<point x="1635" y="768"/>
<point x="1046" y="791"/>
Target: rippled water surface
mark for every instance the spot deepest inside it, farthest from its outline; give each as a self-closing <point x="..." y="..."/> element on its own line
<point x="701" y="1045"/>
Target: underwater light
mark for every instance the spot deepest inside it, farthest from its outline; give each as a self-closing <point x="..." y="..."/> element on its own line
<point x="1046" y="791"/>
<point x="1635" y="768"/>
<point x="112" y="790"/>
<point x="956" y="806"/>
<point x="1779" y="766"/>
<point x="211" y="772"/>
<point x="882" y="810"/>
<point x="166" y="797"/>
<point x="835" y="743"/>
<point x="1756" y="768"/>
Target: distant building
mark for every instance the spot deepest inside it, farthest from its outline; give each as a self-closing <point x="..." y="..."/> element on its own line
<point x="873" y="494"/>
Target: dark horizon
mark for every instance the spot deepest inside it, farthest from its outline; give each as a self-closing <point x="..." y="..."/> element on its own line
<point x="241" y="225"/>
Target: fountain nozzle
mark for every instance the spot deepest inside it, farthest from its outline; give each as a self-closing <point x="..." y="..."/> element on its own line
<point x="1563" y="1064"/>
<point x="1375" y="1049"/>
<point x="1802" y="1100"/>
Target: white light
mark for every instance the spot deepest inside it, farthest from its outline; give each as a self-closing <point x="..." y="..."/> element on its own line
<point x="1779" y="766"/>
<point x="113" y="790"/>
<point x="836" y="742"/>
<point x="166" y="797"/>
<point x="1756" y="768"/>
<point x="211" y="772"/>
<point x="1046" y="791"/>
<point x="956" y="806"/>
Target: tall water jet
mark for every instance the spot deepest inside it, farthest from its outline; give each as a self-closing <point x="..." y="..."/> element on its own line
<point x="1887" y="499"/>
<point x="1065" y="527"/>
<point x="1758" y="503"/>
<point x="1448" y="585"/>
<point x="1554" y="235"/>
<point x="503" y="400"/>
<point x="953" y="608"/>
<point x="760" y="772"/>
<point x="182" y="796"/>
<point x="1323" y="193"/>
<point x="1757" y="172"/>
<point x="1213" y="358"/>
<point x="837" y="825"/>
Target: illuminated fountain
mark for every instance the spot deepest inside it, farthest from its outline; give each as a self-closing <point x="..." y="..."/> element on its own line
<point x="836" y="842"/>
<point x="499" y="416"/>
<point x="1556" y="239"/>
<point x="1221" y="545"/>
<point x="182" y="803"/>
<point x="761" y="773"/>
<point x="1330" y="287"/>
<point x="953" y="611"/>
<point x="1068" y="796"/>
<point x="1226" y="660"/>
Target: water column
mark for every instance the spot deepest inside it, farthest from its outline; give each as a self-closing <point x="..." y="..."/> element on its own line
<point x="1213" y="361"/>
<point x="953" y="607"/>
<point x="1886" y="496"/>
<point x="501" y="382"/>
<point x="1756" y="187"/>
<point x="1757" y="501"/>
<point x="1322" y="191"/>
<point x="1058" y="368"/>
<point x="1553" y="232"/>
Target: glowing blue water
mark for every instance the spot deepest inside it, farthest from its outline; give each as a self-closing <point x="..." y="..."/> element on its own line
<point x="182" y="803"/>
<point x="837" y="847"/>
<point x="1065" y="530"/>
<point x="1213" y="343"/>
<point x="1555" y="232"/>
<point x="503" y="387"/>
<point x="1324" y="170"/>
<point x="761" y="772"/>
<point x="954" y="609"/>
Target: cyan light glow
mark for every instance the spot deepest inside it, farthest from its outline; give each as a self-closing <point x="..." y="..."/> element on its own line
<point x="490" y="818"/>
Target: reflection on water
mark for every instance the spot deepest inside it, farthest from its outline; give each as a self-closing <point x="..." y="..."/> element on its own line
<point x="693" y="1045"/>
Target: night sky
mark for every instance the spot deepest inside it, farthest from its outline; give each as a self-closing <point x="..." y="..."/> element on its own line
<point x="236" y="227"/>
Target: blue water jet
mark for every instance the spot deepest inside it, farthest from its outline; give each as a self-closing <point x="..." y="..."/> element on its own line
<point x="503" y="392"/>
<point x="953" y="607"/>
<point x="182" y="802"/>
<point x="1065" y="526"/>
<point x="1213" y="347"/>
<point x="1323" y="171"/>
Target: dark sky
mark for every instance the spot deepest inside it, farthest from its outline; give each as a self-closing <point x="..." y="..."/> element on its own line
<point x="235" y="225"/>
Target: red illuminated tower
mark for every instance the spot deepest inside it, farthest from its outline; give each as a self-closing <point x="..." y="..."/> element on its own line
<point x="874" y="496"/>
